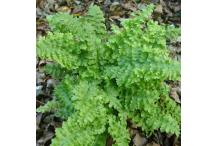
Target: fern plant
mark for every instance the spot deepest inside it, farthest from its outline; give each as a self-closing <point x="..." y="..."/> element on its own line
<point x="107" y="78"/>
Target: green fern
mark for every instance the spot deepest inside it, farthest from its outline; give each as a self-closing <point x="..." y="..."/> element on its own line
<point x="56" y="71"/>
<point x="109" y="78"/>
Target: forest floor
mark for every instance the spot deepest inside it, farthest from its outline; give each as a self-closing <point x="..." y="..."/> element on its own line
<point x="167" y="11"/>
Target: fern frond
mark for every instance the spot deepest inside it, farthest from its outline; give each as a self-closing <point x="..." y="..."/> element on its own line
<point x="57" y="47"/>
<point x="89" y="119"/>
<point x="63" y="23"/>
<point x="95" y="17"/>
<point x="64" y="96"/>
<point x="56" y="71"/>
<point x="50" y="106"/>
<point x="118" y="130"/>
<point x="71" y="134"/>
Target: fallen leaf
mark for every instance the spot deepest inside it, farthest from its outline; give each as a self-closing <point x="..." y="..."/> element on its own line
<point x="116" y="9"/>
<point x="48" y="136"/>
<point x="152" y="144"/>
<point x="39" y="90"/>
<point x="141" y="6"/>
<point x="114" y="17"/>
<point x="154" y="1"/>
<point x="133" y="132"/>
<point x="174" y="95"/>
<point x="38" y="120"/>
<point x="64" y="9"/>
<point x="130" y="6"/>
<point x="50" y="83"/>
<point x="159" y="9"/>
<point x="40" y="78"/>
<point x="139" y="140"/>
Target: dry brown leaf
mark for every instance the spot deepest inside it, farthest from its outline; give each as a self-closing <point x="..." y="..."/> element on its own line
<point x="114" y="17"/>
<point x="152" y="144"/>
<point x="139" y="140"/>
<point x="133" y="132"/>
<point x="159" y="9"/>
<point x="174" y="95"/>
<point x="64" y="9"/>
<point x="130" y="6"/>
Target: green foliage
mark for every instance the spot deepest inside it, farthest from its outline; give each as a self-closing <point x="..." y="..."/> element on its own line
<point x="56" y="71"/>
<point x="109" y="78"/>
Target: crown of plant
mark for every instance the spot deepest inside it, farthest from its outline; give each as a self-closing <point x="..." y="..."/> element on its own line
<point x="108" y="78"/>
